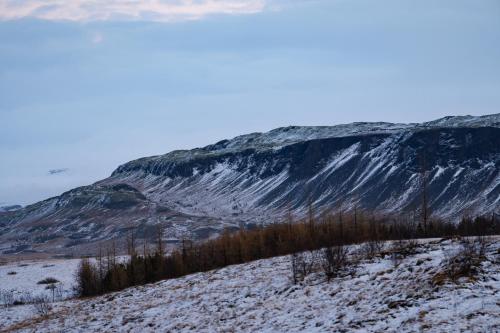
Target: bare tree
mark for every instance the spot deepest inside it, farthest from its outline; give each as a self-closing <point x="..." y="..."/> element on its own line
<point x="42" y="306"/>
<point x="302" y="265"/>
<point x="425" y="199"/>
<point x="333" y="260"/>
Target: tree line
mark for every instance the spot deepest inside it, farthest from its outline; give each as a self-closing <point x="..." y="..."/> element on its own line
<point x="106" y="273"/>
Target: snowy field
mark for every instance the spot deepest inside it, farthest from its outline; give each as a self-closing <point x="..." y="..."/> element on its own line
<point x="20" y="280"/>
<point x="375" y="296"/>
<point x="21" y="277"/>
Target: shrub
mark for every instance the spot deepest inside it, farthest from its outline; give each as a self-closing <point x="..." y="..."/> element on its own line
<point x="302" y="265"/>
<point x="42" y="306"/>
<point x="7" y="298"/>
<point x="402" y="248"/>
<point x="333" y="260"/>
<point x="464" y="262"/>
<point x="49" y="280"/>
<point x="371" y="248"/>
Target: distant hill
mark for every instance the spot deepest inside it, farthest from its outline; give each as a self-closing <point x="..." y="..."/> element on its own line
<point x="9" y="208"/>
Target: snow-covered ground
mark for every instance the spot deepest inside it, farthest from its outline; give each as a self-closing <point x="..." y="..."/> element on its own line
<point x="21" y="277"/>
<point x="375" y="296"/>
<point x="20" y="280"/>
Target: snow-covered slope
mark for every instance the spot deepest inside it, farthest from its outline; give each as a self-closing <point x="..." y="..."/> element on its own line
<point x="259" y="177"/>
<point x="75" y="222"/>
<point x="375" y="296"/>
<point x="376" y="166"/>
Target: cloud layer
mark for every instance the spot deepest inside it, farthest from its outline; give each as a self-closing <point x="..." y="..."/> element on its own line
<point x="147" y="10"/>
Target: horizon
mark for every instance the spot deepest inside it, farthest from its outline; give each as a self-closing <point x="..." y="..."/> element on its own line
<point x="88" y="88"/>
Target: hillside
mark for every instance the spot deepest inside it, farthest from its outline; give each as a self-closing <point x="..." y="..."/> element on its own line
<point x="373" y="295"/>
<point x="375" y="166"/>
<point x="259" y="177"/>
<point x="75" y="221"/>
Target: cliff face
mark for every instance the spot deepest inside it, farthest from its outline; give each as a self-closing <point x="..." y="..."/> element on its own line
<point x="258" y="177"/>
<point x="382" y="171"/>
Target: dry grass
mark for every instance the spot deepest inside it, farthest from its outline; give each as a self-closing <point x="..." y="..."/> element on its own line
<point x="463" y="263"/>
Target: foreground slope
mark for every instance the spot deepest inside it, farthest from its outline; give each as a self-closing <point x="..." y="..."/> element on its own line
<point x="374" y="296"/>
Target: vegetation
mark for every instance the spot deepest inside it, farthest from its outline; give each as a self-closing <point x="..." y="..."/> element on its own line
<point x="42" y="305"/>
<point x="334" y="260"/>
<point x="49" y="280"/>
<point x="464" y="262"/>
<point x="329" y="232"/>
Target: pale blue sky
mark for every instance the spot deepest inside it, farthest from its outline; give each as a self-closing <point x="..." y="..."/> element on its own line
<point x="89" y="88"/>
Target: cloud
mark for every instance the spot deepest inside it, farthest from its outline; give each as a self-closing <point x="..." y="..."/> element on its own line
<point x="146" y="10"/>
<point x="57" y="171"/>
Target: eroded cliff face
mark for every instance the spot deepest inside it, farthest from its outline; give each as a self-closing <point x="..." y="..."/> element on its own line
<point x="385" y="172"/>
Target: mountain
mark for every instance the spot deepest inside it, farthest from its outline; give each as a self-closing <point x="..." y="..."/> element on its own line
<point x="78" y="219"/>
<point x="376" y="166"/>
<point x="9" y="208"/>
<point x="257" y="178"/>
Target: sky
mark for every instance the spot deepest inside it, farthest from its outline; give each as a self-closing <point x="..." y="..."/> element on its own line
<point x="88" y="85"/>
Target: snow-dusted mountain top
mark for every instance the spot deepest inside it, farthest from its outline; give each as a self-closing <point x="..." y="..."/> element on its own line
<point x="492" y="120"/>
<point x="288" y="135"/>
<point x="9" y="208"/>
<point x="284" y="136"/>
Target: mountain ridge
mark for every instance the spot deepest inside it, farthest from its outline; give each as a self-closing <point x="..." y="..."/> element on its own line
<point x="259" y="177"/>
<point x="191" y="163"/>
<point x="304" y="133"/>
